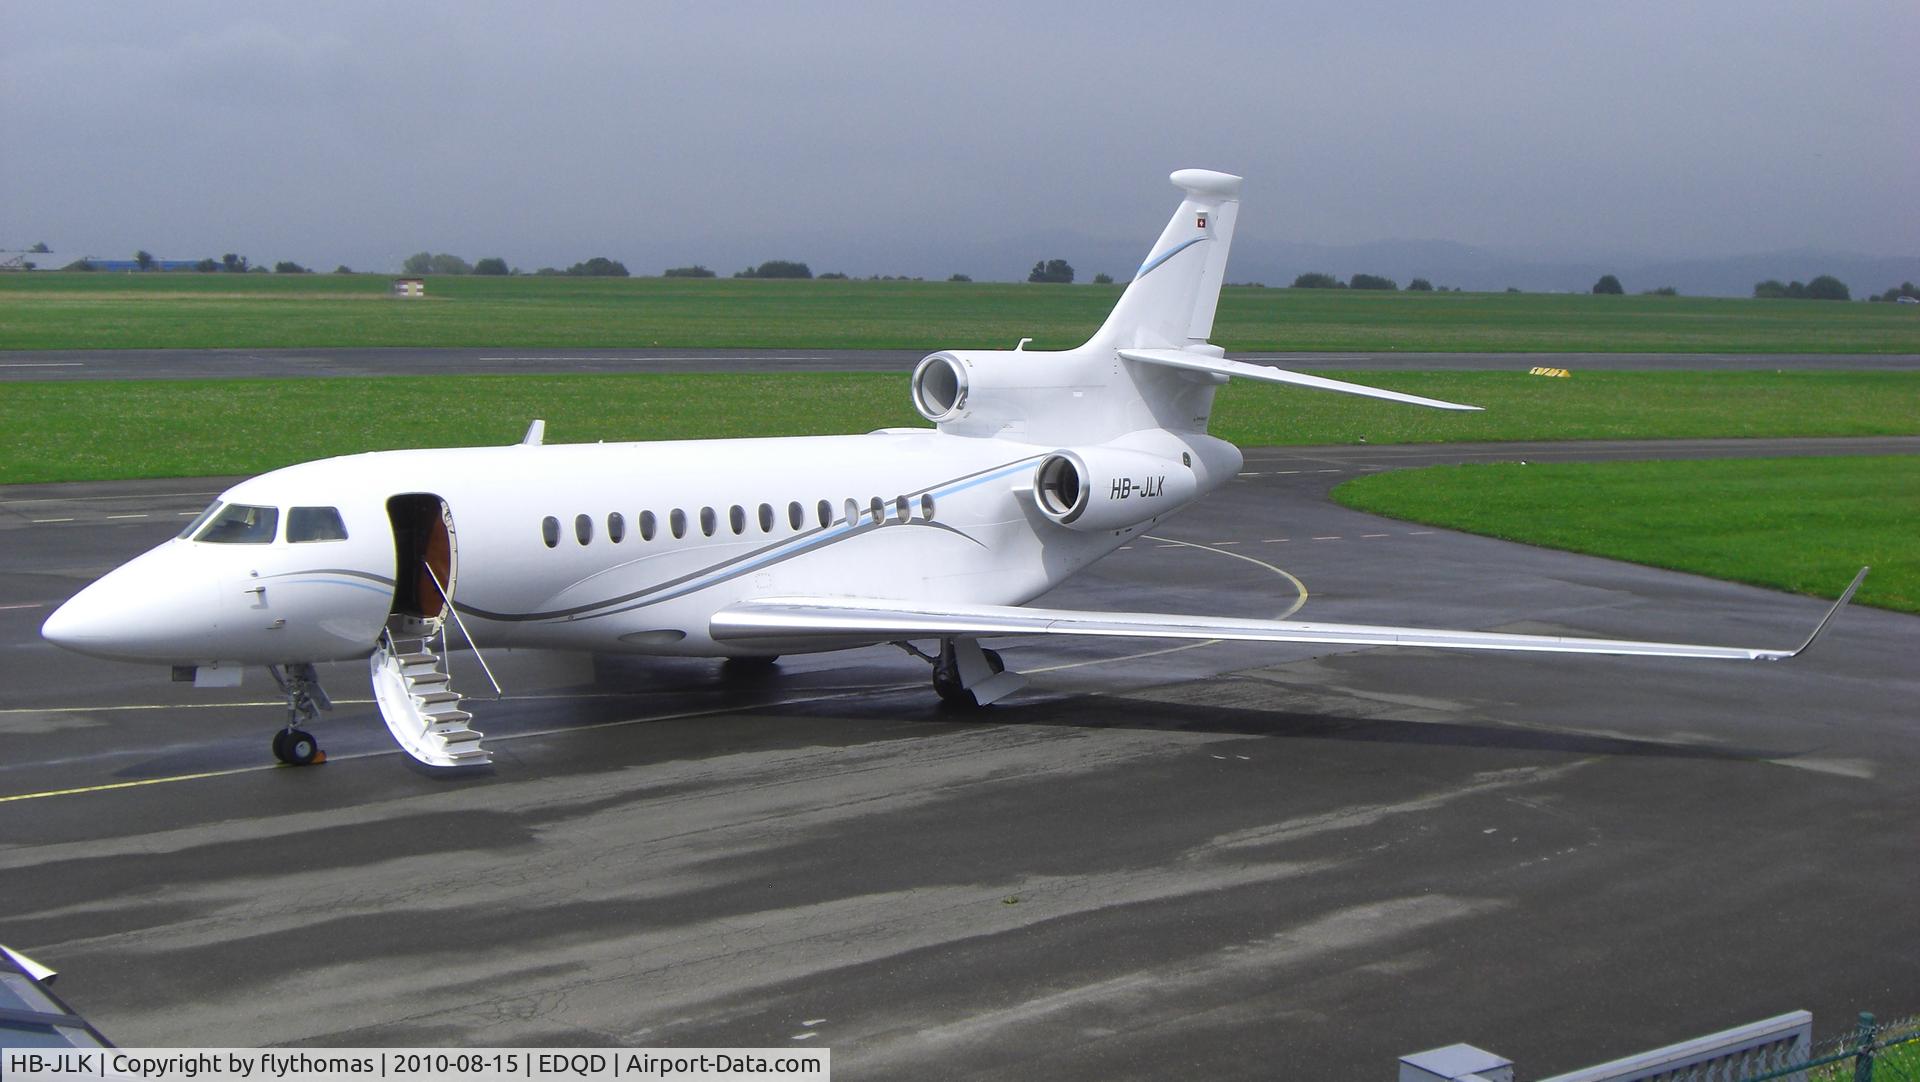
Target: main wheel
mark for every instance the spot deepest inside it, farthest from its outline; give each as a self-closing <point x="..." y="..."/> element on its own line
<point x="946" y="684"/>
<point x="295" y="747"/>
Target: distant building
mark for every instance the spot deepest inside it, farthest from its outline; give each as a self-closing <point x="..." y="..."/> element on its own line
<point x="121" y="265"/>
<point x="409" y="287"/>
<point x="53" y="261"/>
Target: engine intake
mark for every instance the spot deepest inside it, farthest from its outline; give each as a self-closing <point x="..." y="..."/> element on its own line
<point x="940" y="387"/>
<point x="1106" y="488"/>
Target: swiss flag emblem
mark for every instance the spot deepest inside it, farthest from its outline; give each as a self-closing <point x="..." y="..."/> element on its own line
<point x="1201" y="223"/>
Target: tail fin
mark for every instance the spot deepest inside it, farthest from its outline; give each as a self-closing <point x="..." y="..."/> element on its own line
<point x="1171" y="302"/>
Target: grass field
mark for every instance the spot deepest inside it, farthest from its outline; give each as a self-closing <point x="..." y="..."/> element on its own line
<point x="54" y="431"/>
<point x="1800" y="524"/>
<point x="204" y="311"/>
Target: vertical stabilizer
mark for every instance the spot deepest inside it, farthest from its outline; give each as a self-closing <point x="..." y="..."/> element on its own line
<point x="1171" y="301"/>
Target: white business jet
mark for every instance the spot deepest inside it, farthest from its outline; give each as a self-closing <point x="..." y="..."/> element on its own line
<point x="1038" y="464"/>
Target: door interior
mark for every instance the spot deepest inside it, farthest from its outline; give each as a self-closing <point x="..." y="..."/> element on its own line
<point x="423" y="539"/>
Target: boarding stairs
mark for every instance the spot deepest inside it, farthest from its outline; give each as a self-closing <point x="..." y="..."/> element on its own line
<point x="420" y="706"/>
<point x="416" y="696"/>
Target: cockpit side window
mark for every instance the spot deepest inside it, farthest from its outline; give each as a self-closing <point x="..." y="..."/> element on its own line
<point x="201" y="520"/>
<point x="315" y="524"/>
<point x="241" y="524"/>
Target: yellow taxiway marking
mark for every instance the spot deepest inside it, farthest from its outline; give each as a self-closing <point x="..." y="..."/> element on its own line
<point x="677" y="716"/>
<point x="1300" y="588"/>
<point x="1300" y="599"/>
<point x="130" y="784"/>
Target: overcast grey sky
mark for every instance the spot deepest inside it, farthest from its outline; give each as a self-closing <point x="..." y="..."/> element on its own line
<point x="721" y="133"/>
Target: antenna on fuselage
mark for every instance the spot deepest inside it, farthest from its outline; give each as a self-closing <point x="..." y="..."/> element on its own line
<point x="536" y="434"/>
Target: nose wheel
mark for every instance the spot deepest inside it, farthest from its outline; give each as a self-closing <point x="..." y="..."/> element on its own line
<point x="294" y="745"/>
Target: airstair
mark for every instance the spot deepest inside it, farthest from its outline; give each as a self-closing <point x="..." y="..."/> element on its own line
<point x="419" y="704"/>
<point x="415" y="694"/>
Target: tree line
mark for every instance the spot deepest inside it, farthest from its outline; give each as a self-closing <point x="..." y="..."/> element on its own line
<point x="1823" y="287"/>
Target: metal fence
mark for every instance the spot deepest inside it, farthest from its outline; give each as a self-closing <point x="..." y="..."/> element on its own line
<point x="1775" y="1048"/>
<point x="1889" y="1053"/>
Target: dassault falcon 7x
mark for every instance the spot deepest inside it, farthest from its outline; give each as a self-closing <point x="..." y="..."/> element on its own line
<point x="1037" y="464"/>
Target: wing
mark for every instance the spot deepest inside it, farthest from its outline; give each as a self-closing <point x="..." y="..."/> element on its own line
<point x="850" y="620"/>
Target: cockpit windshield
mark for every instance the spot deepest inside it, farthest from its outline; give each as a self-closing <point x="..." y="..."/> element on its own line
<point x="199" y="521"/>
<point x="240" y="524"/>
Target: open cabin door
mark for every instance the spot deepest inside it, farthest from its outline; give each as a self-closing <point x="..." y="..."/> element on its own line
<point x="411" y="682"/>
<point x="425" y="560"/>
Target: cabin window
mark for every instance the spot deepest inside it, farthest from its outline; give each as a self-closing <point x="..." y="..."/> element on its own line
<point x="677" y="521"/>
<point x="709" y="521"/>
<point x="315" y="524"/>
<point x="648" y="526"/>
<point x="199" y="520"/>
<point x="616" y="528"/>
<point x="902" y="511"/>
<point x="796" y="515"/>
<point x="737" y="518"/>
<point x="926" y="506"/>
<point x="240" y="524"/>
<point x="583" y="528"/>
<point x="879" y="508"/>
<point x="550" y="531"/>
<point x="766" y="518"/>
<point x="853" y="512"/>
<point x="825" y="512"/>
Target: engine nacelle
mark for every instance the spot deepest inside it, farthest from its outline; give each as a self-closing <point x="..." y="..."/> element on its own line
<point x="1108" y="488"/>
<point x="996" y="392"/>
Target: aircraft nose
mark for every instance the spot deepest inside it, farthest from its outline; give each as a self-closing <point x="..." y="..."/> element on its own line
<point x="78" y="622"/>
<point x="149" y="609"/>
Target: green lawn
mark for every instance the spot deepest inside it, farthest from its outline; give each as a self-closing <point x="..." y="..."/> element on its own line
<point x="88" y="430"/>
<point x="1800" y="524"/>
<point x="201" y="311"/>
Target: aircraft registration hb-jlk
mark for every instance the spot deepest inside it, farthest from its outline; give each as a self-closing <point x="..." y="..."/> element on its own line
<point x="1039" y="464"/>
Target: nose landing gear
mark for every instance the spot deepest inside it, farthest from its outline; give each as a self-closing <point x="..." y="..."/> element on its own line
<point x="294" y="745"/>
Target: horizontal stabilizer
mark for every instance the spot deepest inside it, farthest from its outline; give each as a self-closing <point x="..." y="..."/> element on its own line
<point x="1220" y="366"/>
<point x="856" y="619"/>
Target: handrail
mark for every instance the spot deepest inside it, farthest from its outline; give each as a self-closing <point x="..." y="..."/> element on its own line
<point x="464" y="633"/>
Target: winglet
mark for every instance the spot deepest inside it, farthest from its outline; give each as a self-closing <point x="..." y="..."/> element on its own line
<point x="1845" y="596"/>
<point x="28" y="966"/>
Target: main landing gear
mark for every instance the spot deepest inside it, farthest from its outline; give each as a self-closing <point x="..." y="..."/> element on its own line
<point x="966" y="675"/>
<point x="294" y="745"/>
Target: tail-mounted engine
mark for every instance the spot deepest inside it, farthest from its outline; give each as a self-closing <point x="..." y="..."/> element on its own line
<point x="1008" y="392"/>
<point x="1106" y="488"/>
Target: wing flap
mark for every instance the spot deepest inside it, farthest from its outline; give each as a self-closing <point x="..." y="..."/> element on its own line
<point x="1220" y="366"/>
<point x="850" y="619"/>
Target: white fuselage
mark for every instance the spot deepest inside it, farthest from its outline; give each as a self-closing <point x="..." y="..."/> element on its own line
<point x="533" y="560"/>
